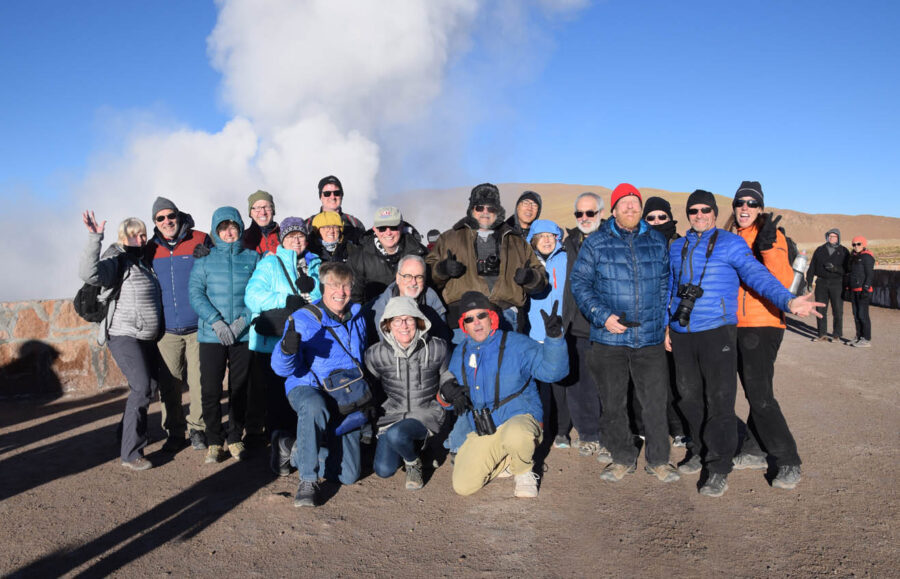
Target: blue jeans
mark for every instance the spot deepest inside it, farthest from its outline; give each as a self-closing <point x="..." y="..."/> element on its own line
<point x="402" y="440"/>
<point x="318" y="451"/>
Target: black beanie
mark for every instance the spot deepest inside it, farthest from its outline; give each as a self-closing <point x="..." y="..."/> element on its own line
<point x="657" y="204"/>
<point x="330" y="180"/>
<point x="473" y="300"/>
<point x="701" y="197"/>
<point x="751" y="189"/>
<point x="531" y="195"/>
<point x="160" y="204"/>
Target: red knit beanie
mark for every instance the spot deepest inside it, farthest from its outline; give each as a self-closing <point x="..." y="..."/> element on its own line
<point x="624" y="190"/>
<point x="861" y="239"/>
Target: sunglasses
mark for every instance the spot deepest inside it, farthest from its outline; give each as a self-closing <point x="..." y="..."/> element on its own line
<point x="580" y="214"/>
<point x="703" y="210"/>
<point x="383" y="228"/>
<point x="653" y="218"/>
<point x="751" y="203"/>
<point x="470" y="319"/>
<point x="170" y="216"/>
<point x="856" y="244"/>
<point x="337" y="193"/>
<point x="488" y="208"/>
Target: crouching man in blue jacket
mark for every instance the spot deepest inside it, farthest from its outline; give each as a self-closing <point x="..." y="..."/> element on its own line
<point x="497" y="395"/>
<point x="320" y="339"/>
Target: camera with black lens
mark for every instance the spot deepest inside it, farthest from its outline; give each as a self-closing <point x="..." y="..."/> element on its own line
<point x="689" y="293"/>
<point x="488" y="266"/>
<point x="484" y="422"/>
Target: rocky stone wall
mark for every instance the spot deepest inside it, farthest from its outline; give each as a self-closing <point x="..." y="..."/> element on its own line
<point x="47" y="349"/>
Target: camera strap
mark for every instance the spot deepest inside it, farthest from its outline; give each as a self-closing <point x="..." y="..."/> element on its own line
<point x="709" y="249"/>
<point x="497" y="401"/>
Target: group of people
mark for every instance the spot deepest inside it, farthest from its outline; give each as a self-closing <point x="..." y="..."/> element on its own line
<point x="333" y="334"/>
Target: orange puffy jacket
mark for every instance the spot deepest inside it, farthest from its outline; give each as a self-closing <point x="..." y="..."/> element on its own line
<point x="755" y="311"/>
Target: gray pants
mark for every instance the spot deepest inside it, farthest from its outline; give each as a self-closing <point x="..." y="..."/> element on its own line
<point x="180" y="361"/>
<point x="139" y="361"/>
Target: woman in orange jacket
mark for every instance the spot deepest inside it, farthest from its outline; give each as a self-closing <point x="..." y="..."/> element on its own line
<point x="760" y="331"/>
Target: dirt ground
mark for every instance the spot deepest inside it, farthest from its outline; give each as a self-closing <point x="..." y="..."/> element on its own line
<point x="68" y="508"/>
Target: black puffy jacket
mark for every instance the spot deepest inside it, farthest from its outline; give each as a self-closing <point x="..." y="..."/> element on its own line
<point x="373" y="271"/>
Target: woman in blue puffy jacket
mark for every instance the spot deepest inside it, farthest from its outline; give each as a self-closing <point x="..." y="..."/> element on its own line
<point x="217" y="286"/>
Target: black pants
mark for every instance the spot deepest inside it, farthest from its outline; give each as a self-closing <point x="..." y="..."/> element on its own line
<point x="139" y="362"/>
<point x="757" y="350"/>
<point x="582" y="398"/>
<point x="268" y="401"/>
<point x="861" y="315"/>
<point x="213" y="358"/>
<point x="556" y="409"/>
<point x="706" y="375"/>
<point x="677" y="426"/>
<point x="830" y="291"/>
<point x="611" y="367"/>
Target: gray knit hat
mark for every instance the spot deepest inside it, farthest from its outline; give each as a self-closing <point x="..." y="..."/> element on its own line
<point x="160" y="204"/>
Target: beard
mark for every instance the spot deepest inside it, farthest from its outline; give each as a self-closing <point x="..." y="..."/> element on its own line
<point x="588" y="229"/>
<point x="628" y="221"/>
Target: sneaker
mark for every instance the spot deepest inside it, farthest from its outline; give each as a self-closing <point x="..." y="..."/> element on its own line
<point x="680" y="441"/>
<point x="820" y="339"/>
<point x="280" y="453"/>
<point x="414" y="479"/>
<point x="306" y="494"/>
<point x="236" y="449"/>
<point x="141" y="463"/>
<point x="787" y="477"/>
<point x="691" y="465"/>
<point x="715" y="486"/>
<point x="862" y="343"/>
<point x="747" y="461"/>
<point x="586" y="448"/>
<point x="561" y="442"/>
<point x="198" y="439"/>
<point x="215" y="453"/>
<point x="614" y="472"/>
<point x="505" y="472"/>
<point x="527" y="485"/>
<point x="174" y="443"/>
<point x="664" y="472"/>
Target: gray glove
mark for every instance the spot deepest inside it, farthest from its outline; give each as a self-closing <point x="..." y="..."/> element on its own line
<point x="238" y="326"/>
<point x="223" y="332"/>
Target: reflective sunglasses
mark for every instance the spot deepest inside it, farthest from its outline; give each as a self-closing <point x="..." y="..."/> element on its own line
<point x="580" y="214"/>
<point x="337" y="193"/>
<point x="488" y="208"/>
<point x="652" y="218"/>
<point x="751" y="203"/>
<point x="170" y="216"/>
<point x="703" y="210"/>
<point x="383" y="228"/>
<point x="470" y="319"/>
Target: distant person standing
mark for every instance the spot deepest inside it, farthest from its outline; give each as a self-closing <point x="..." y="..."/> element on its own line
<point x="331" y="196"/>
<point x="528" y="208"/>
<point x="862" y="275"/>
<point x="828" y="265"/>
<point x="262" y="235"/>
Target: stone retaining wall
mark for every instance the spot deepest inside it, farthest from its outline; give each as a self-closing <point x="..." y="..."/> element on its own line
<point x="47" y="349"/>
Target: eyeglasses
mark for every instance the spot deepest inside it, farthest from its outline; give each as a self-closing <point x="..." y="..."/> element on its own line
<point x="170" y="217"/>
<point x="261" y="208"/>
<point x="488" y="208"/>
<point x="336" y="285"/>
<point x="383" y="228"/>
<point x="751" y="203"/>
<point x="856" y="244"/>
<point x="703" y="210"/>
<point x="652" y="218"/>
<point x="470" y="319"/>
<point x="580" y="214"/>
<point x="408" y="321"/>
<point x="407" y="277"/>
<point x="337" y="193"/>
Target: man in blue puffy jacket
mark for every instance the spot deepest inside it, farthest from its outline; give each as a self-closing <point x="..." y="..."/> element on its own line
<point x="619" y="284"/>
<point x="706" y="269"/>
<point x="498" y="397"/>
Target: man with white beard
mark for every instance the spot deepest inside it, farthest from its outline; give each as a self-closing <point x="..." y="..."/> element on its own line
<point x="584" y="402"/>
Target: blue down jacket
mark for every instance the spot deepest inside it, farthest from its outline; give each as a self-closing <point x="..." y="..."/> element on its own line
<point x="556" y="265"/>
<point x="319" y="354"/>
<point x="524" y="361"/>
<point x="619" y="272"/>
<point x="218" y="281"/>
<point x="731" y="262"/>
<point x="269" y="289"/>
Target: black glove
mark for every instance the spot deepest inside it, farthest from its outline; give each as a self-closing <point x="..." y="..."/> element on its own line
<point x="200" y="250"/>
<point x="525" y="276"/>
<point x="668" y="229"/>
<point x="294" y="302"/>
<point x="456" y="395"/>
<point x="829" y="267"/>
<point x="552" y="323"/>
<point x="450" y="267"/>
<point x="765" y="239"/>
<point x="864" y="295"/>
<point x="290" y="342"/>
<point x="305" y="283"/>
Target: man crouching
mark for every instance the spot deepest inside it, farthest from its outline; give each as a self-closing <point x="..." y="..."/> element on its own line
<point x="498" y="396"/>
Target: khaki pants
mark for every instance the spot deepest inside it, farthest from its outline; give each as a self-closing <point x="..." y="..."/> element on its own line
<point x="481" y="458"/>
<point x="181" y="359"/>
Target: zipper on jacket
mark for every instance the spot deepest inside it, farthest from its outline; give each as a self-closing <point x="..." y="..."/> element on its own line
<point x="636" y="286"/>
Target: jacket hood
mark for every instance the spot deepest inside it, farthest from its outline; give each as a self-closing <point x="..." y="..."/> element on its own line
<point x="836" y="231"/>
<point x="403" y="306"/>
<point x="545" y="226"/>
<point x="226" y="214"/>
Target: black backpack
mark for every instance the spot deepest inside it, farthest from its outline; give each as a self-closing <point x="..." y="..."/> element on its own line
<point x="793" y="250"/>
<point x="87" y="300"/>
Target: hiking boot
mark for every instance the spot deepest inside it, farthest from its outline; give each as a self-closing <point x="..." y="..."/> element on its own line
<point x="614" y="472"/>
<point x="141" y="463"/>
<point x="604" y="456"/>
<point x="280" y="453"/>
<point x="215" y="453"/>
<point x="691" y="465"/>
<point x="527" y="485"/>
<point x="820" y="339"/>
<point x="561" y="442"/>
<point x="715" y="486"/>
<point x="306" y="494"/>
<point x="747" y="461"/>
<point x="174" y="443"/>
<point x="664" y="472"/>
<point x="414" y="479"/>
<point x="586" y="448"/>
<point x="862" y="343"/>
<point x="198" y="439"/>
<point x="236" y="449"/>
<point x="787" y="478"/>
<point x="680" y="441"/>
